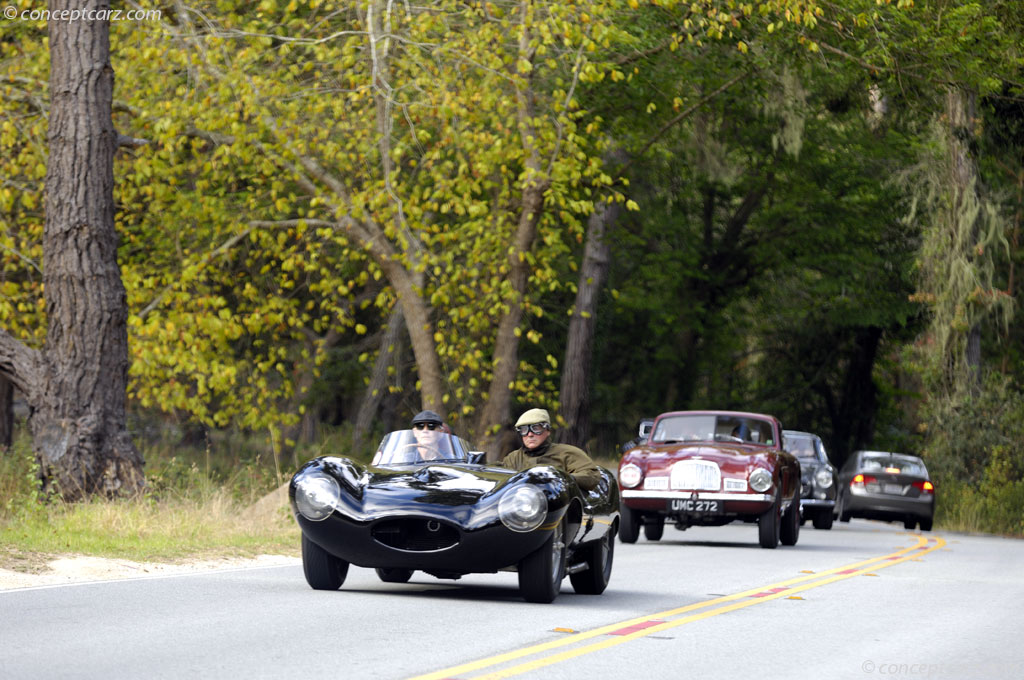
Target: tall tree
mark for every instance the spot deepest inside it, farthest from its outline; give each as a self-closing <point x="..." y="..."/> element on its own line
<point x="76" y="385"/>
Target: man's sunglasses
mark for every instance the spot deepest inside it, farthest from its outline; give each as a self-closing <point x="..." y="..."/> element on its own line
<point x="536" y="428"/>
<point x="426" y="426"/>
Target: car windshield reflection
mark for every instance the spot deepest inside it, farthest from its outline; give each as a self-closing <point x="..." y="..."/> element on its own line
<point x="707" y="427"/>
<point x="412" y="447"/>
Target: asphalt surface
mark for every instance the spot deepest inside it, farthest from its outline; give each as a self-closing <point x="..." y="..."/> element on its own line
<point x="865" y="599"/>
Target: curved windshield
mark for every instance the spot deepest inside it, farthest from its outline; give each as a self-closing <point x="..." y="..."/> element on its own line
<point x="803" y="448"/>
<point x="710" y="427"/>
<point x="409" y="447"/>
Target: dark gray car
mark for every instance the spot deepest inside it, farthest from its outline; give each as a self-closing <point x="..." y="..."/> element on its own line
<point x="818" y="479"/>
<point x="894" y="487"/>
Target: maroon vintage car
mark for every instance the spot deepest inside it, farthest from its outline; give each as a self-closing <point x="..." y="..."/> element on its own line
<point x="709" y="468"/>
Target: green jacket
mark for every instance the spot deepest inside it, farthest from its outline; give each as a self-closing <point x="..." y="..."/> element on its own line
<point x="569" y="458"/>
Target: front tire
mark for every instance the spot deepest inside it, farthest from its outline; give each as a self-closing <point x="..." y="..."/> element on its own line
<point x="323" y="570"/>
<point x="394" y="575"/>
<point x="629" y="524"/>
<point x="823" y="520"/>
<point x="768" y="526"/>
<point x="541" y="572"/>
<point x="595" y="578"/>
<point x="654" y="528"/>
<point x="790" y="530"/>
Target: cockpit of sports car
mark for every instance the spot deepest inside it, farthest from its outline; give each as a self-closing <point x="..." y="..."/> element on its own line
<point x="427" y="502"/>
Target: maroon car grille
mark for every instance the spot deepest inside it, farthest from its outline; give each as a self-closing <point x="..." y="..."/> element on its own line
<point x="415" y="535"/>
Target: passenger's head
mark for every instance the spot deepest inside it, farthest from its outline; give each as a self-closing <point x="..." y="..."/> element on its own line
<point x="426" y="425"/>
<point x="534" y="426"/>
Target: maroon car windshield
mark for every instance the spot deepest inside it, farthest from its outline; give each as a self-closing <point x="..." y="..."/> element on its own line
<point x="706" y="427"/>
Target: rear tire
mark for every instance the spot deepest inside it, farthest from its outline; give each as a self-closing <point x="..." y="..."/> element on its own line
<point x="909" y="524"/>
<point x="842" y="512"/>
<point x="926" y="524"/>
<point x="768" y="526"/>
<point x="823" y="520"/>
<point x="541" y="572"/>
<point x="789" y="532"/>
<point x="595" y="578"/>
<point x="394" y="575"/>
<point x="654" y="530"/>
<point x="629" y="524"/>
<point x="323" y="570"/>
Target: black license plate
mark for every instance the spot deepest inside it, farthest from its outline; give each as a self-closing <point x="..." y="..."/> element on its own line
<point x="695" y="505"/>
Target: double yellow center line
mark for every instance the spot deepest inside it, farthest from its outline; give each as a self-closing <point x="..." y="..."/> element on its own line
<point x="631" y="629"/>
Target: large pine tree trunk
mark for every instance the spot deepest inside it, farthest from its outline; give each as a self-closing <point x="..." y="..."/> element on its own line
<point x="78" y="424"/>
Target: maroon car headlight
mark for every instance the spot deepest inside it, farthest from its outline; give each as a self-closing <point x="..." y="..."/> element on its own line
<point x="316" y="496"/>
<point x="630" y="475"/>
<point x="523" y="508"/>
<point x="760" y="480"/>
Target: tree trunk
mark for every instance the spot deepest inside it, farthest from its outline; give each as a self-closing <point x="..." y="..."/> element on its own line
<point x="6" y="412"/>
<point x="961" y="110"/>
<point x="378" y="378"/>
<point x="304" y="431"/>
<point x="506" y="344"/>
<point x="78" y="420"/>
<point x="575" y="388"/>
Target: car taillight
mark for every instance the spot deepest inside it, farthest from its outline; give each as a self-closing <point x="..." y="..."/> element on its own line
<point x="861" y="480"/>
<point x="924" y="487"/>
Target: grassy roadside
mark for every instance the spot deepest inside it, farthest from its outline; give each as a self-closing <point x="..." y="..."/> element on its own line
<point x="194" y="508"/>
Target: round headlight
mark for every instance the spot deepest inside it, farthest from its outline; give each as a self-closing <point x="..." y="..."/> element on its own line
<point x="316" y="495"/>
<point x="630" y="475"/>
<point x="523" y="508"/>
<point x="760" y="480"/>
<point x="823" y="478"/>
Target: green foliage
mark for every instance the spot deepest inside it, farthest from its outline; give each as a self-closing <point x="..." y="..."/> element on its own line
<point x="973" y="453"/>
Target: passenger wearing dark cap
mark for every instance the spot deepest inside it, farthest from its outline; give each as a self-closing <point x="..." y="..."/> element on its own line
<point x="427" y="427"/>
<point x="534" y="426"/>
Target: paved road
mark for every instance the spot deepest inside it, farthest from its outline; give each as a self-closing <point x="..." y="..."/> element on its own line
<point x="864" y="600"/>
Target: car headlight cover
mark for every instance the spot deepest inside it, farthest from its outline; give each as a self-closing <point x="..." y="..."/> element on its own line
<point x="523" y="508"/>
<point x="823" y="478"/>
<point x="316" y="495"/>
<point x="630" y="475"/>
<point x="760" y="480"/>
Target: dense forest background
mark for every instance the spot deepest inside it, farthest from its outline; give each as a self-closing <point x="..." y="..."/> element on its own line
<point x="331" y="217"/>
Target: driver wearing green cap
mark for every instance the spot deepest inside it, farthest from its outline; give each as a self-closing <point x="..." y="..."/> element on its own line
<point x="534" y="426"/>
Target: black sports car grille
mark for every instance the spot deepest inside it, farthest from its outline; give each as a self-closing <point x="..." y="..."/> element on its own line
<point x="414" y="534"/>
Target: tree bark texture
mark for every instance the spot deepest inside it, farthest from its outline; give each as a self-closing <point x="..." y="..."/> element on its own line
<point x="78" y="420"/>
<point x="6" y="412"/>
<point x="579" y="349"/>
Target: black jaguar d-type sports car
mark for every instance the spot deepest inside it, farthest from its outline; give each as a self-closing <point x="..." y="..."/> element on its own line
<point x="435" y="506"/>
